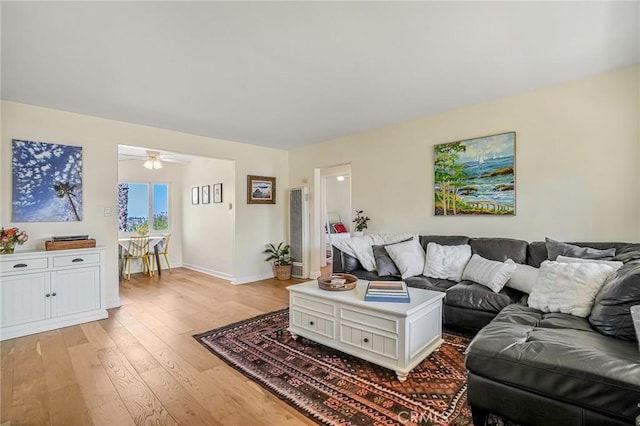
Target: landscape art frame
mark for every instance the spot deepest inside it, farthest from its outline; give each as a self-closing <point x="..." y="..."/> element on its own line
<point x="47" y="182"/>
<point x="476" y="176"/>
<point x="261" y="190"/>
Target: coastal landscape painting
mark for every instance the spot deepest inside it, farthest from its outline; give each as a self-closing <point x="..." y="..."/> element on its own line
<point x="47" y="182"/>
<point x="261" y="190"/>
<point x="476" y="176"/>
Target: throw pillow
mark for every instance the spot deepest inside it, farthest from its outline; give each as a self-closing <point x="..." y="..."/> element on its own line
<point x="565" y="259"/>
<point x="384" y="263"/>
<point x="339" y="228"/>
<point x="446" y="262"/>
<point x="569" y="288"/>
<point x="523" y="278"/>
<point x="489" y="273"/>
<point x="557" y="248"/>
<point x="408" y="257"/>
<point x="611" y="311"/>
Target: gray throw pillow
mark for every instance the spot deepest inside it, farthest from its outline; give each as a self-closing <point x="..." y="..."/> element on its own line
<point x="385" y="266"/>
<point x="611" y="312"/>
<point x="557" y="248"/>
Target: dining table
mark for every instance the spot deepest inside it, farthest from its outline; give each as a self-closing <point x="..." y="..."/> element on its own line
<point x="154" y="243"/>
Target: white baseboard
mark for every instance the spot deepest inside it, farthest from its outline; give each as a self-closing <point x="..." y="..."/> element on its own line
<point x="250" y="279"/>
<point x="207" y="271"/>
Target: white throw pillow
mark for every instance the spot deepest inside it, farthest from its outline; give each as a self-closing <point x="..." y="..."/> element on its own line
<point x="570" y="288"/>
<point x="489" y="273"/>
<point x="613" y="263"/>
<point x="408" y="257"/>
<point x="446" y="262"/>
<point x="523" y="278"/>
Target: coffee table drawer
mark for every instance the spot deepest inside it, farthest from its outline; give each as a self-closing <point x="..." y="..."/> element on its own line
<point x="369" y="340"/>
<point x="313" y="304"/>
<point x="313" y="323"/>
<point x="369" y="320"/>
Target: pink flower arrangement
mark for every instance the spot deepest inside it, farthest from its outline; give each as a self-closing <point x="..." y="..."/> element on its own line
<point x="13" y="236"/>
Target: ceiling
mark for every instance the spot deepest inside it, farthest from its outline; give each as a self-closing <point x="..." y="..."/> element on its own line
<point x="289" y="74"/>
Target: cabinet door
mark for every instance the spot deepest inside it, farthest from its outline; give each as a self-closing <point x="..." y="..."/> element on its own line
<point x="24" y="299"/>
<point x="76" y="290"/>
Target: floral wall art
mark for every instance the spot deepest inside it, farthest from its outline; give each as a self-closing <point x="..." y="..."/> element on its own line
<point x="476" y="176"/>
<point x="47" y="182"/>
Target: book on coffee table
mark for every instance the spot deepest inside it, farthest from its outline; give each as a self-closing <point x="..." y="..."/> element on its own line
<point x="387" y="291"/>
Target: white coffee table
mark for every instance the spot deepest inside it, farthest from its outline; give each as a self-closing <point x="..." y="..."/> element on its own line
<point x="397" y="336"/>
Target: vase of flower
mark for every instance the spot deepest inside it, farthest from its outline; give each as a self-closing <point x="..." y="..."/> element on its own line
<point x="7" y="248"/>
<point x="9" y="238"/>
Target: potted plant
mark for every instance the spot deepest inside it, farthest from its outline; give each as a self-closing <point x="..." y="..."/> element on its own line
<point x="281" y="259"/>
<point x="361" y="223"/>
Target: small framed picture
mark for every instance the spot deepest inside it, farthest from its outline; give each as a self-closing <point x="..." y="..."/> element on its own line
<point x="217" y="193"/>
<point x="261" y="190"/>
<point x="206" y="197"/>
<point x="195" y="195"/>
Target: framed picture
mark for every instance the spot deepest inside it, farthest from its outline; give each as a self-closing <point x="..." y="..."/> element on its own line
<point x="47" y="182"/>
<point x="261" y="190"/>
<point x="195" y="195"/>
<point x="217" y="193"/>
<point x="476" y="176"/>
<point x="206" y="197"/>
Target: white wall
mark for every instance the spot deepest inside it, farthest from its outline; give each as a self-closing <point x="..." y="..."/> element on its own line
<point x="171" y="173"/>
<point x="256" y="224"/>
<point x="209" y="228"/>
<point x="577" y="164"/>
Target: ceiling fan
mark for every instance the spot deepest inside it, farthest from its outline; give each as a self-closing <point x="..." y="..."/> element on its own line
<point x="152" y="160"/>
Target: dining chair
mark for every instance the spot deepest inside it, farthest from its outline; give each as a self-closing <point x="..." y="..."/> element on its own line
<point x="138" y="249"/>
<point x="165" y="249"/>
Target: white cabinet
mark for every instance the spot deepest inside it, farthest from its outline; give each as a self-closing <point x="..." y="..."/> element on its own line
<point x="41" y="291"/>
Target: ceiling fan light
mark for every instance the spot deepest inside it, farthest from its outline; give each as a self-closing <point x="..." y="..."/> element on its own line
<point x="148" y="164"/>
<point x="157" y="164"/>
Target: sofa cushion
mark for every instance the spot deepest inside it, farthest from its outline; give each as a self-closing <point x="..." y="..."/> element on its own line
<point x="470" y="295"/>
<point x="408" y="257"/>
<point x="384" y="264"/>
<point x="443" y="240"/>
<point x="446" y="262"/>
<point x="489" y="273"/>
<point x="523" y="348"/>
<point x="611" y="314"/>
<point x="523" y="278"/>
<point x="569" y="288"/>
<point x="428" y="283"/>
<point x="500" y="249"/>
<point x="350" y="263"/>
<point x="557" y="248"/>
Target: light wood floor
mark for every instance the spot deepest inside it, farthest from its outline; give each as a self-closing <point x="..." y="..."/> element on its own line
<point x="141" y="365"/>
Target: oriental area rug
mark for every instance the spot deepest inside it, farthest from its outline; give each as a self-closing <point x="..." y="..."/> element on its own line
<point x="334" y="388"/>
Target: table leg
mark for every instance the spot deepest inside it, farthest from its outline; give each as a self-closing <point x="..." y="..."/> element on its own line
<point x="155" y="249"/>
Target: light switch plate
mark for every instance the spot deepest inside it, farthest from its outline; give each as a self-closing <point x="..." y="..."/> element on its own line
<point x="108" y="212"/>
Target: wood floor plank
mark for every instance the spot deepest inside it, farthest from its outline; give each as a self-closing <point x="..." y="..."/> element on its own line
<point x="102" y="399"/>
<point x="7" y="350"/>
<point x="182" y="406"/>
<point x="29" y="400"/>
<point x="141" y="402"/>
<point x="136" y="354"/>
<point x="67" y="407"/>
<point x="73" y="336"/>
<point x="58" y="372"/>
<point x="98" y="337"/>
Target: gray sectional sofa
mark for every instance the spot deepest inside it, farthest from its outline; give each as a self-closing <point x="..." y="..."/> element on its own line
<point x="539" y="368"/>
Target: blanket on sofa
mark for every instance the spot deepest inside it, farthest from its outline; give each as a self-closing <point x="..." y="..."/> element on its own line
<point x="361" y="247"/>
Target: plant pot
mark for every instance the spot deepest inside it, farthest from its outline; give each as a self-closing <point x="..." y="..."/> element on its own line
<point x="283" y="272"/>
<point x="357" y="233"/>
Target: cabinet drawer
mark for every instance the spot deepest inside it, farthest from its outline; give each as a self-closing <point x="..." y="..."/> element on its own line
<point x="375" y="321"/>
<point x="312" y="322"/>
<point x="76" y="260"/>
<point x="313" y="304"/>
<point x="369" y="340"/>
<point x="24" y="265"/>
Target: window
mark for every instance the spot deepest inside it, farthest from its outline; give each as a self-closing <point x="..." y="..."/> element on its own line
<point x="143" y="207"/>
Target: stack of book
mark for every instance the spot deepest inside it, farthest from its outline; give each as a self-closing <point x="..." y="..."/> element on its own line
<point x="387" y="291"/>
